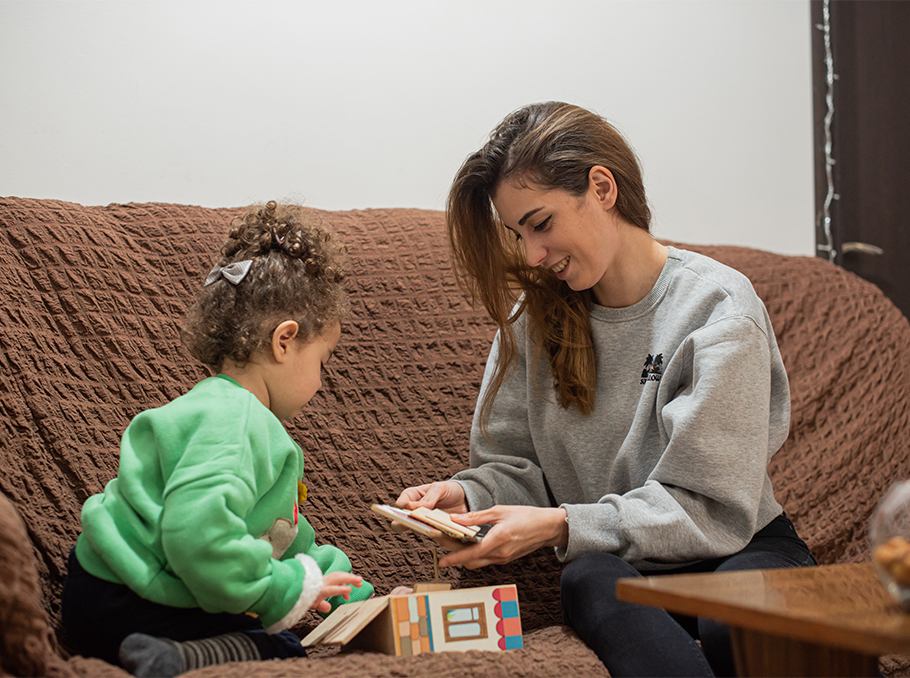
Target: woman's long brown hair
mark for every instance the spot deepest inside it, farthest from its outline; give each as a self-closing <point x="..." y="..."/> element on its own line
<point x="551" y="146"/>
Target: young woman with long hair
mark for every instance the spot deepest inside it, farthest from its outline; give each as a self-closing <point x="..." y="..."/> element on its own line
<point x="633" y="396"/>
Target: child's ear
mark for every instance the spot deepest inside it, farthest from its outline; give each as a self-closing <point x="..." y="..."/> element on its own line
<point x="282" y="338"/>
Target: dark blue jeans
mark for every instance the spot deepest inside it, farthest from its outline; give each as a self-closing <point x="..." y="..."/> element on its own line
<point x="98" y="615"/>
<point x="637" y="640"/>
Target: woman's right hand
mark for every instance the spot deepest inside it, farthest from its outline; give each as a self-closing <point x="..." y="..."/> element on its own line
<point x="446" y="495"/>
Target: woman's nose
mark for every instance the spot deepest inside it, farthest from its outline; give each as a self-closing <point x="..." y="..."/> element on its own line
<point x="534" y="253"/>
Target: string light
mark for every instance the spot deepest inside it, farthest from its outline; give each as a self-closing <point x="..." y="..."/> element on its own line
<point x="830" y="77"/>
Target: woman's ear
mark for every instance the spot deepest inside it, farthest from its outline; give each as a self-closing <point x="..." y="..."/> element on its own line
<point x="603" y="186"/>
<point x="282" y="338"/>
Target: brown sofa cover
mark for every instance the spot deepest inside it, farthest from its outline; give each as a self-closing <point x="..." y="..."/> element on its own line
<point x="90" y="298"/>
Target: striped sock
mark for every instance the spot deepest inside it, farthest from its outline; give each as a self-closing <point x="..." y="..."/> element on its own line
<point x="231" y="647"/>
<point x="147" y="657"/>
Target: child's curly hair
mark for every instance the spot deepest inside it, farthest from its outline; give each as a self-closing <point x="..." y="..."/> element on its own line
<point x="297" y="273"/>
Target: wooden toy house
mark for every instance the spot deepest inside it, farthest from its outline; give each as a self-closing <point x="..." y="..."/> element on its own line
<point x="485" y="618"/>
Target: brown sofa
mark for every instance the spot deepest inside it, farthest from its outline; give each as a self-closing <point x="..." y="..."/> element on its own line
<point x="90" y="298"/>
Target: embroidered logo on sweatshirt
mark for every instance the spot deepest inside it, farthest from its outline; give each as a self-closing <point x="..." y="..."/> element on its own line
<point x="653" y="370"/>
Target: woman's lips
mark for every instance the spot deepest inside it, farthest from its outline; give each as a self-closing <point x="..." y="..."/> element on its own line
<point x="560" y="268"/>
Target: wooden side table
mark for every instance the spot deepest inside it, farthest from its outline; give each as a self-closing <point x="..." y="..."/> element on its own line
<point x="830" y="620"/>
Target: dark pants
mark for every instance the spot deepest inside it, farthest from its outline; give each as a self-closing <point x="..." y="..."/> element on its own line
<point x="98" y="615"/>
<point x="637" y="640"/>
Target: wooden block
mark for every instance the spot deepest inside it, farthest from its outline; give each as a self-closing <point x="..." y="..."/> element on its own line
<point x="346" y="622"/>
<point x="397" y="515"/>
<point x="443" y="521"/>
<point x="428" y="587"/>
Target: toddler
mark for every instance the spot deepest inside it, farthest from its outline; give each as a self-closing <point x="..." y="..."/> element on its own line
<point x="195" y="554"/>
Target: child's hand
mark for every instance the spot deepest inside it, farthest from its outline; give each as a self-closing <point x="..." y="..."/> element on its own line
<point x="335" y="584"/>
<point x="402" y="591"/>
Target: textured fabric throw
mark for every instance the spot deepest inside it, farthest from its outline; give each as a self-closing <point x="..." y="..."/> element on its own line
<point x="91" y="299"/>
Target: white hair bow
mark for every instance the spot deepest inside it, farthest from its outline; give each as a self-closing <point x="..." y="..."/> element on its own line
<point x="233" y="273"/>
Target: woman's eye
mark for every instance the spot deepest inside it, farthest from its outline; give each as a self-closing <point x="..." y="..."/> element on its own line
<point x="543" y="224"/>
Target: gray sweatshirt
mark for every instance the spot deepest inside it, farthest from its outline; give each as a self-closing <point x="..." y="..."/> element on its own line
<point x="671" y="466"/>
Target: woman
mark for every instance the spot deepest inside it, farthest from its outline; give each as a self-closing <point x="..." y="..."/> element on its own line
<point x="633" y="396"/>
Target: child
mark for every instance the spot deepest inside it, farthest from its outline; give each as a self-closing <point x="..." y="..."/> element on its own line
<point x="195" y="553"/>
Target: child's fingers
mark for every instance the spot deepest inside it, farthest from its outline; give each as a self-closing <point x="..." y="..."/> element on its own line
<point x="332" y="591"/>
<point x="338" y="578"/>
<point x="320" y="603"/>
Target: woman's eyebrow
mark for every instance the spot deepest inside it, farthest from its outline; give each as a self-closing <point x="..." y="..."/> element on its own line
<point x="521" y="222"/>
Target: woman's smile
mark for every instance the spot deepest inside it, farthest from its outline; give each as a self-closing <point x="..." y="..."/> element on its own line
<point x="560" y="268"/>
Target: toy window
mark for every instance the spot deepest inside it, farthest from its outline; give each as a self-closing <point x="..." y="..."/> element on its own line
<point x="464" y="622"/>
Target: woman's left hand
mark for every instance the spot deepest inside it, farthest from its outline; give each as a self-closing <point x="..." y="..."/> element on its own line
<point x="402" y="591"/>
<point x="516" y="532"/>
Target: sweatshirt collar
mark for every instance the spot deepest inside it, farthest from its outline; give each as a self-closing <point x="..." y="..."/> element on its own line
<point x="227" y="378"/>
<point x="607" y="314"/>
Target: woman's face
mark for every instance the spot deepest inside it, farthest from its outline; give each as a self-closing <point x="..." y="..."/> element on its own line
<point x="576" y="237"/>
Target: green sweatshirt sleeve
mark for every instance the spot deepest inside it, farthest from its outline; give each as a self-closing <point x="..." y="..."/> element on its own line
<point x="329" y="558"/>
<point x="207" y="545"/>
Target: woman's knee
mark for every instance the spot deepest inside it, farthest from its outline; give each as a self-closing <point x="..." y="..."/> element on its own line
<point x="592" y="577"/>
<point x="594" y="569"/>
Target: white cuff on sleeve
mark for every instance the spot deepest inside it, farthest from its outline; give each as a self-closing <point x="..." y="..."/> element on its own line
<point x="312" y="585"/>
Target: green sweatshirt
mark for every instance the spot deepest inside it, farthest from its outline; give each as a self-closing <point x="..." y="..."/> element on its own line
<point x="204" y="513"/>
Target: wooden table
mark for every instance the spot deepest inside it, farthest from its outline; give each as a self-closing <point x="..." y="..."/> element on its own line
<point x="817" y="621"/>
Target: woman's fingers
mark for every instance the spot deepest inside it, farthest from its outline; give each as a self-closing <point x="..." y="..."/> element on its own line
<point x="446" y="495"/>
<point x="474" y="556"/>
<point x="492" y="515"/>
<point x="411" y="496"/>
<point x="436" y="495"/>
<point x="516" y="531"/>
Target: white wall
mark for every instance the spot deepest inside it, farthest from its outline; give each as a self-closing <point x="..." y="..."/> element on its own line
<point x="375" y="103"/>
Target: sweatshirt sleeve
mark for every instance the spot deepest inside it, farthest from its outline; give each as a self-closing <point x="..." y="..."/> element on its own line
<point x="329" y="559"/>
<point x="208" y="546"/>
<point x="504" y="466"/>
<point x="723" y="420"/>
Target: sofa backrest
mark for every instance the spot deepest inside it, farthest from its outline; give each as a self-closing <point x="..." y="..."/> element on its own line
<point x="90" y="299"/>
